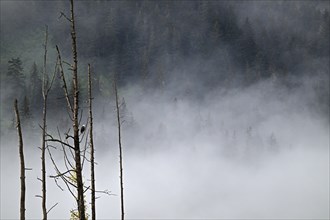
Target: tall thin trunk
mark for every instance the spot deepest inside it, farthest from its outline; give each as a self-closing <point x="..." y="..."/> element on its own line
<point x="44" y="124"/>
<point x="80" y="187"/>
<point x="91" y="143"/>
<point x="120" y="154"/>
<point x="21" y="158"/>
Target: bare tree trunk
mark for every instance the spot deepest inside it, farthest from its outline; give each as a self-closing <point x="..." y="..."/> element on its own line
<point x="21" y="157"/>
<point x="80" y="187"/>
<point x="120" y="154"/>
<point x="91" y="143"/>
<point x="44" y="124"/>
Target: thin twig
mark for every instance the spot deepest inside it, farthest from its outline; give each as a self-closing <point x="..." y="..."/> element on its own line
<point x="66" y="17"/>
<point x="52" y="207"/>
<point x="61" y="174"/>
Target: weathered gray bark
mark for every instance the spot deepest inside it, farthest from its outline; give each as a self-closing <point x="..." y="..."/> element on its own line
<point x="22" y="163"/>
<point x="91" y="142"/>
<point x="120" y="154"/>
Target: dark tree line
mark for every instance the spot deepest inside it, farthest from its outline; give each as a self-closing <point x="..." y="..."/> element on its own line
<point x="146" y="40"/>
<point x="150" y="34"/>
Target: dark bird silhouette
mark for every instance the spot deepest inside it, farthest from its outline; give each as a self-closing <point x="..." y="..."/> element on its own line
<point x="82" y="129"/>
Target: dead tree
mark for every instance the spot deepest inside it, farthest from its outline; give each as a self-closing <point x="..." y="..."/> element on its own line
<point x="75" y="114"/>
<point x="120" y="152"/>
<point x="22" y="163"/>
<point x="80" y="186"/>
<point x="46" y="86"/>
<point x="73" y="156"/>
<point x="91" y="143"/>
<point x="69" y="176"/>
<point x="44" y="124"/>
<point x="75" y="167"/>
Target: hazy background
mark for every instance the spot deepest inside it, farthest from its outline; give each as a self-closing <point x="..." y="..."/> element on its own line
<point x="226" y="106"/>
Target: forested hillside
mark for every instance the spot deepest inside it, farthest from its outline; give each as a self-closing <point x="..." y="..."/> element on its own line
<point x="202" y="45"/>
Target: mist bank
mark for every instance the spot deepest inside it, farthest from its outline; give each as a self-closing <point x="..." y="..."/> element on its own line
<point x="258" y="152"/>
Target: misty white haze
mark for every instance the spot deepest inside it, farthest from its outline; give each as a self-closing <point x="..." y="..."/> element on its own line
<point x="191" y="150"/>
<point x="185" y="159"/>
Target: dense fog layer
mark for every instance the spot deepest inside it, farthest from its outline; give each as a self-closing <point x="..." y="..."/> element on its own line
<point x="224" y="105"/>
<point x="261" y="152"/>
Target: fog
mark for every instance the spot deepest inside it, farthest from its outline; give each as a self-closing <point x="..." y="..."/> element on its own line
<point x="259" y="152"/>
<point x="206" y="134"/>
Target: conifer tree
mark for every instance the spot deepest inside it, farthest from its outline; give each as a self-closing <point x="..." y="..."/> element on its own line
<point x="35" y="89"/>
<point x="16" y="79"/>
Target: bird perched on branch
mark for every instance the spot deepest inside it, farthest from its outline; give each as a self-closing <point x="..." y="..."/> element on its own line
<point x="82" y="129"/>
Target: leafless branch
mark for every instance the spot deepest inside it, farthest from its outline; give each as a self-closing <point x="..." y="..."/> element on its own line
<point x="52" y="207"/>
<point x="61" y="142"/>
<point x="66" y="159"/>
<point x="58" y="185"/>
<point x="52" y="146"/>
<point x="107" y="192"/>
<point x="64" y="81"/>
<point x="65" y="181"/>
<point x="67" y="63"/>
<point x="62" y="174"/>
<point x="66" y="17"/>
<point x="84" y="151"/>
<point x="53" y="77"/>
<point x="87" y="188"/>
